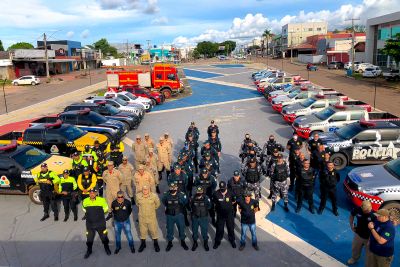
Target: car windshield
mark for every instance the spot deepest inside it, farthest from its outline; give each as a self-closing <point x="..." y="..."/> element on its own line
<point x="349" y="131"/>
<point x="131" y="96"/>
<point x="30" y="157"/>
<point x="112" y="110"/>
<point x="71" y="133"/>
<point x="308" y="102"/>
<point x="369" y="69"/>
<point x="287" y="89"/>
<point x="120" y="101"/>
<point x="325" y="113"/>
<point x="294" y="93"/>
<point x="96" y="118"/>
<point x="273" y="80"/>
<point x="393" y="167"/>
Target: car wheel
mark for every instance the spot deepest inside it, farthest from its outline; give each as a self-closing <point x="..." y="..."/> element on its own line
<point x="16" y="84"/>
<point x="392" y="206"/>
<point x="33" y="193"/>
<point x="339" y="160"/>
<point x="127" y="125"/>
<point x="167" y="93"/>
<point x="33" y="83"/>
<point x="153" y="102"/>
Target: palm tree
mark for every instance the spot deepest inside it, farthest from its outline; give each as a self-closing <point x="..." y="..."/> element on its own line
<point x="266" y="35"/>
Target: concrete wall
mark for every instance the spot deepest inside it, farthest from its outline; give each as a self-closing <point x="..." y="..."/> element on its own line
<point x="311" y="58"/>
<point x="297" y="33"/>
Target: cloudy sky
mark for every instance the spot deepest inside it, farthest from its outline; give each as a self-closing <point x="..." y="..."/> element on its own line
<point x="172" y="21"/>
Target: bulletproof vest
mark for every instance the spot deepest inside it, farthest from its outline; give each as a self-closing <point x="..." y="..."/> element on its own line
<point x="252" y="175"/>
<point x="199" y="207"/>
<point x="67" y="187"/>
<point x="86" y="181"/>
<point x="307" y="178"/>
<point x="205" y="183"/>
<point x="237" y="187"/>
<point x="280" y="172"/>
<point x="173" y="207"/>
<point x="77" y="166"/>
<point x="270" y="147"/>
<point x="44" y="187"/>
<point x="274" y="159"/>
<point x="330" y="178"/>
<point x="178" y="179"/>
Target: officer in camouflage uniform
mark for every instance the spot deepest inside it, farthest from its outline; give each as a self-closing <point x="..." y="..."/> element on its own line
<point x="252" y="173"/>
<point x="280" y="179"/>
<point x="200" y="204"/>
<point x="269" y="148"/>
<point x="271" y="159"/>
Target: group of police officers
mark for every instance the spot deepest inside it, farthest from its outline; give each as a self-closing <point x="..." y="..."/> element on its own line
<point x="129" y="184"/>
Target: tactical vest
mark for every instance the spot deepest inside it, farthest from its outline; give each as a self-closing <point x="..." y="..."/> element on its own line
<point x="66" y="186"/>
<point x="42" y="179"/>
<point x="274" y="159"/>
<point x="237" y="187"/>
<point x="86" y="181"/>
<point x="307" y="178"/>
<point x="199" y="207"/>
<point x="179" y="182"/>
<point x="280" y="172"/>
<point x="173" y="207"/>
<point x="252" y="175"/>
<point x="330" y="178"/>
<point x="77" y="166"/>
<point x="270" y="147"/>
<point x="205" y="183"/>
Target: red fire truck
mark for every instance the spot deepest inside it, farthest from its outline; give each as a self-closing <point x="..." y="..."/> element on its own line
<point x="162" y="77"/>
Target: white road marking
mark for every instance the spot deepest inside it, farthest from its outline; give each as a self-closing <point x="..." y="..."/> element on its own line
<point x="203" y="71"/>
<point x="222" y="83"/>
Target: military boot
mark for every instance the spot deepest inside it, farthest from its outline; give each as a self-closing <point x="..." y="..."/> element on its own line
<point x="142" y="245"/>
<point x="195" y="245"/>
<point x="156" y="246"/>
<point x="206" y="248"/>
<point x="89" y="250"/>
<point x="169" y="246"/>
<point x="183" y="244"/>
<point x="45" y="216"/>
<point x="285" y="207"/>
<point x="273" y="206"/>
<point x="107" y="248"/>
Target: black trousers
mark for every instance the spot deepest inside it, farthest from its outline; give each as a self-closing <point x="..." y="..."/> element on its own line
<point x="189" y="186"/>
<point x="196" y="162"/>
<point x="307" y="193"/>
<point x="100" y="183"/>
<point x="325" y="193"/>
<point x="161" y="172"/>
<point x="69" y="203"/>
<point x="48" y="201"/>
<point x="91" y="233"/>
<point x="227" y="220"/>
<point x="292" y="168"/>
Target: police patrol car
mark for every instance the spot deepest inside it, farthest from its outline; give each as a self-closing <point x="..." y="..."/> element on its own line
<point x="56" y="138"/>
<point x="332" y="118"/>
<point x="19" y="164"/>
<point x="380" y="184"/>
<point x="364" y="142"/>
<point x="118" y="103"/>
<point x="309" y="106"/>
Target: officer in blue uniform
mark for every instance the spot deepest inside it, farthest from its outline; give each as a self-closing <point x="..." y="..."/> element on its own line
<point x="199" y="205"/>
<point x="192" y="141"/>
<point x="208" y="183"/>
<point x="180" y="178"/>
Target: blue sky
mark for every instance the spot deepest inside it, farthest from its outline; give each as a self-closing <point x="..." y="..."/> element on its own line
<point x="171" y="21"/>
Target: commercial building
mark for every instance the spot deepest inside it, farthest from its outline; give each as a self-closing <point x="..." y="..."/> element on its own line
<point x="380" y="29"/>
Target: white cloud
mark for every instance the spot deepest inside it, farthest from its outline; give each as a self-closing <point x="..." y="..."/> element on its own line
<point x="160" y="21"/>
<point x="253" y="25"/>
<point x="70" y="34"/>
<point x="118" y="4"/>
<point x="85" y="34"/>
<point x="152" y="7"/>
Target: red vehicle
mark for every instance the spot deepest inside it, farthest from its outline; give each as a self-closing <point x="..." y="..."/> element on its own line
<point x="156" y="97"/>
<point x="162" y="77"/>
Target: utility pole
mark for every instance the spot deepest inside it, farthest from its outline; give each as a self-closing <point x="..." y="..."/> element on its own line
<point x="291" y="46"/>
<point x="46" y="56"/>
<point x="352" y="43"/>
<point x="148" y="49"/>
<point x="127" y="52"/>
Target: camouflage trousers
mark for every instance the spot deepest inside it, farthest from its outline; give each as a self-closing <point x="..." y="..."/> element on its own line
<point x="280" y="188"/>
<point x="255" y="188"/>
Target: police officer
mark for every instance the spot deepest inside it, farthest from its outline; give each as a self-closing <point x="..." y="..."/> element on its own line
<point x="271" y="159"/>
<point x="306" y="184"/>
<point x="164" y="157"/>
<point x="193" y="145"/>
<point x="329" y="178"/>
<point x="101" y="166"/>
<point x="252" y="173"/>
<point x="246" y="142"/>
<point x="119" y="145"/>
<point x="187" y="167"/>
<point x="92" y="163"/>
<point x="207" y="158"/>
<point x="180" y="179"/>
<point x="215" y="143"/>
<point x="223" y="203"/>
<point x="95" y="208"/>
<point x="140" y="150"/>
<point x="298" y="166"/>
<point x="269" y="147"/>
<point x="208" y="183"/>
<point x="293" y="144"/>
<point x="237" y="187"/>
<point x="208" y="148"/>
<point x="85" y="182"/>
<point x="200" y="205"/>
<point x="175" y="202"/>
<point x="318" y="162"/>
<point x="280" y="178"/>
<point x="89" y="150"/>
<point x="313" y="144"/>
<point x="46" y="180"/>
<point x="212" y="127"/>
<point x="67" y="189"/>
<point x="77" y="164"/>
<point x="115" y="156"/>
<point x="194" y="131"/>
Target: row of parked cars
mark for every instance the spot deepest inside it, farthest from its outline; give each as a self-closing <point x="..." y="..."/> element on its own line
<point x="353" y="133"/>
<point x="367" y="70"/>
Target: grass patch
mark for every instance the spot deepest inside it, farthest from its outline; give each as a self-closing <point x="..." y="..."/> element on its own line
<point x="357" y="76"/>
<point x="100" y="92"/>
<point x="7" y="82"/>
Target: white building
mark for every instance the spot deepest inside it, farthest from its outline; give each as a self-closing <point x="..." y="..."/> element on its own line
<point x="297" y="33"/>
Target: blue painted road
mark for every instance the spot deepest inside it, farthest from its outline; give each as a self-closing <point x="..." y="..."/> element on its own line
<point x="226" y="66"/>
<point x="327" y="232"/>
<point x="201" y="74"/>
<point x="208" y="93"/>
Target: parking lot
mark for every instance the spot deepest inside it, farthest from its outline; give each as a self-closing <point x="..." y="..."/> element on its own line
<point x="223" y="93"/>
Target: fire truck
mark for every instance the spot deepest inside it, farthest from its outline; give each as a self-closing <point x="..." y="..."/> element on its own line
<point x="162" y="77"/>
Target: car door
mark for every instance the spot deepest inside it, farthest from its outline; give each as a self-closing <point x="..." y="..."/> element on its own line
<point x="389" y="140"/>
<point x="365" y="147"/>
<point x="34" y="137"/>
<point x="10" y="175"/>
<point x="54" y="143"/>
<point x="113" y="103"/>
<point x="336" y="121"/>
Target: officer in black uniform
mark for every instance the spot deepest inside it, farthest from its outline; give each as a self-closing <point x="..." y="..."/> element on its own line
<point x="329" y="178"/>
<point x="194" y="131"/>
<point x="180" y="179"/>
<point x="208" y="148"/>
<point x="115" y="155"/>
<point x="208" y="182"/>
<point x="252" y="173"/>
<point x="318" y="162"/>
<point x="293" y="144"/>
<point x="298" y="166"/>
<point x="313" y="144"/>
<point x="215" y="143"/>
<point x="200" y="205"/>
<point x="193" y="145"/>
<point x="237" y="187"/>
<point x="69" y="195"/>
<point x="212" y="127"/>
<point x="223" y="202"/>
<point x="175" y="202"/>
<point x="307" y="187"/>
<point x="78" y="163"/>
<point x="207" y="158"/>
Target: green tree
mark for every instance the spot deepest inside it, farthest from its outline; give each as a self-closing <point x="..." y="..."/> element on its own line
<point x="266" y="35"/>
<point x="229" y="46"/>
<point x="1" y="46"/>
<point x="195" y="53"/>
<point x="208" y="49"/>
<point x="106" y="48"/>
<point x="357" y="28"/>
<point x="21" y="45"/>
<point x="336" y="31"/>
<point x="392" y="48"/>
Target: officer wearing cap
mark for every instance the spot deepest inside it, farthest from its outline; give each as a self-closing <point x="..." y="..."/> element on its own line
<point x="223" y="202"/>
<point x="248" y="207"/>
<point x="381" y="241"/>
<point x="293" y="144"/>
<point x="89" y="150"/>
<point x="193" y="145"/>
<point x="280" y="180"/>
<point x="329" y="178"/>
<point x="149" y="141"/>
<point x="175" y="202"/>
<point x="101" y="165"/>
<point x="180" y="179"/>
<point x="69" y="196"/>
<point x="151" y="164"/>
<point x="168" y="141"/>
<point x="252" y="173"/>
<point x="164" y="157"/>
<point x="115" y="155"/>
<point x="358" y="220"/>
<point x="47" y="180"/>
<point x="199" y="206"/>
<point x="306" y="182"/>
<point x="194" y="131"/>
<point x="237" y="187"/>
<point x="117" y="145"/>
<point x="208" y="183"/>
<point x="113" y="179"/>
<point x="271" y="159"/>
<point x="215" y="143"/>
<point x="92" y="163"/>
<point x="143" y="177"/>
<point x="208" y="148"/>
<point x="127" y="183"/>
<point x="212" y="127"/>
<point x="85" y="182"/>
<point x="95" y="208"/>
<point x="77" y="164"/>
<point x="185" y="161"/>
<point x="207" y="158"/>
<point x="140" y="151"/>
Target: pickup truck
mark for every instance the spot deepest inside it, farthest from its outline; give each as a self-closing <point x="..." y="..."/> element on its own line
<point x="156" y="97"/>
<point x="281" y="101"/>
<point x="118" y="103"/>
<point x="289" y="90"/>
<point x="310" y="105"/>
<point x="365" y="142"/>
<point x="392" y="75"/>
<point x="276" y="83"/>
<point x="332" y="118"/>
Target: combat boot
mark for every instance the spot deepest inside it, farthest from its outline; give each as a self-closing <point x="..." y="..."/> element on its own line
<point x="169" y="246"/>
<point x="89" y="250"/>
<point x="320" y="210"/>
<point x="195" y="245"/>
<point x="273" y="206"/>
<point x="107" y="248"/>
<point x="45" y="216"/>
<point x="55" y="217"/>
<point x="66" y="217"/>
<point x="158" y="189"/>
<point x="156" y="246"/>
<point x="206" y="248"/>
<point x="75" y="216"/>
<point x="183" y="244"/>
<point x="142" y="245"/>
<point x="312" y="210"/>
<point x="285" y="207"/>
